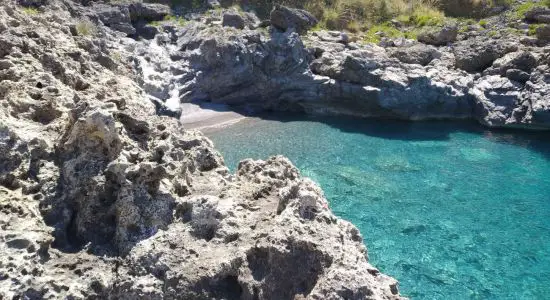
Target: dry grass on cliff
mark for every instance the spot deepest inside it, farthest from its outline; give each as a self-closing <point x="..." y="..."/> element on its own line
<point x="359" y="15"/>
<point x="354" y="15"/>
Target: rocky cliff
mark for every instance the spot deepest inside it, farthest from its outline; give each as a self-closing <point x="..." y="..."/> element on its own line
<point x="102" y="198"/>
<point x="501" y="81"/>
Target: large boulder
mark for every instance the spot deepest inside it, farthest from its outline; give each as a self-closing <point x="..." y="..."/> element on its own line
<point x="543" y="33"/>
<point x="496" y="100"/>
<point x="233" y="19"/>
<point x="148" y="11"/>
<point x="439" y="36"/>
<point x="416" y="54"/>
<point x="116" y="17"/>
<point x="538" y="15"/>
<point x="285" y="18"/>
<point x="476" y="55"/>
<point x="515" y="65"/>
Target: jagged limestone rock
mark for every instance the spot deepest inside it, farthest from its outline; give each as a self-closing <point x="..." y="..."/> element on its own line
<point x="101" y="198"/>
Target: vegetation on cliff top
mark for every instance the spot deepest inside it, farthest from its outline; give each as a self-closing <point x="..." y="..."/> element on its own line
<point x="374" y="19"/>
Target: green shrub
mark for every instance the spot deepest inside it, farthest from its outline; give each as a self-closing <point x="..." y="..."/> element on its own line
<point x="482" y="23"/>
<point x="533" y="29"/>
<point x="386" y="29"/>
<point x="428" y="16"/>
<point x="86" y="28"/>
<point x="355" y="15"/>
<point x="520" y="11"/>
<point x="30" y="11"/>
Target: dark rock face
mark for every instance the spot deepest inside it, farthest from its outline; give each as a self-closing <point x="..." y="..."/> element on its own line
<point x="129" y="18"/>
<point x="324" y="74"/>
<point x="233" y="19"/>
<point x="476" y="55"/>
<point x="416" y="54"/>
<point x="33" y="3"/>
<point x="148" y="11"/>
<point x="439" y="37"/>
<point x="117" y="18"/>
<point x="538" y="15"/>
<point x="543" y="33"/>
<point x="283" y="18"/>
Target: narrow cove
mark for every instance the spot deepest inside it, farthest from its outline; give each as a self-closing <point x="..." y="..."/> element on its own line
<point x="452" y="210"/>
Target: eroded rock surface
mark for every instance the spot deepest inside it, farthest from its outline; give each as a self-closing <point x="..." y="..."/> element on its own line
<point x="328" y="73"/>
<point x="102" y="198"/>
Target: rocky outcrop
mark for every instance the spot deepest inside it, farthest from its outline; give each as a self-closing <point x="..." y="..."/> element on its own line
<point x="327" y="73"/>
<point x="285" y="18"/>
<point x="416" y="54"/>
<point x="439" y="36"/>
<point x="538" y="15"/>
<point x="101" y="198"/>
<point x="476" y="55"/>
<point x="543" y="33"/>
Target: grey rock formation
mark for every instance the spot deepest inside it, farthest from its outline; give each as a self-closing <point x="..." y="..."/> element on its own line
<point x="416" y="54"/>
<point x="233" y="19"/>
<point x="148" y="11"/>
<point x="321" y="74"/>
<point x="33" y="3"/>
<point x="117" y="18"/>
<point x="101" y="198"/>
<point x="497" y="98"/>
<point x="478" y="54"/>
<point x="538" y="15"/>
<point x="543" y="33"/>
<point x="284" y="18"/>
<point x="439" y="36"/>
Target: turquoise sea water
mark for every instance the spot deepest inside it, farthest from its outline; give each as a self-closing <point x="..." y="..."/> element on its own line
<point x="452" y="210"/>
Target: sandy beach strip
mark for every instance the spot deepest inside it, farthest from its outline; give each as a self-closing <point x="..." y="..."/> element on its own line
<point x="207" y="116"/>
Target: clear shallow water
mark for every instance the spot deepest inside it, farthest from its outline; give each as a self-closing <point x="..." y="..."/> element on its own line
<point x="452" y="210"/>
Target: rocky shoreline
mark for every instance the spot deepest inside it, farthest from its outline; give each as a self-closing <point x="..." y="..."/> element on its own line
<point x="102" y="198"/>
<point x="501" y="81"/>
<point x="105" y="195"/>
